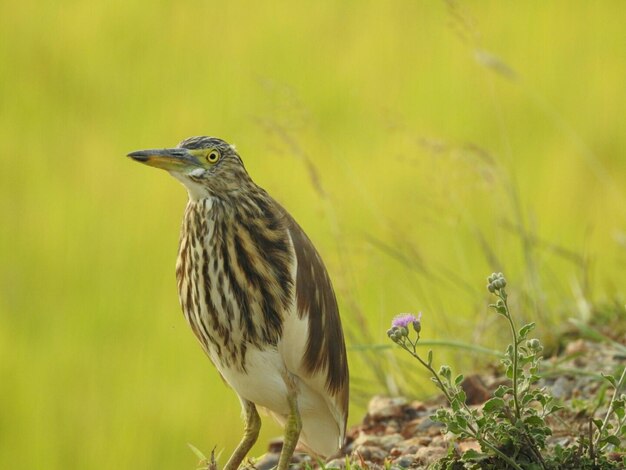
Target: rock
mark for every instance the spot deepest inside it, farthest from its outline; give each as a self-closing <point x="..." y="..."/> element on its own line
<point x="429" y="427"/>
<point x="464" y="446"/>
<point x="385" y="408"/>
<point x="576" y="347"/>
<point x="336" y="463"/>
<point x="475" y="390"/>
<point x="393" y="427"/>
<point x="562" y="387"/>
<point x="371" y="453"/>
<point x="386" y="442"/>
<point x="439" y="441"/>
<point x="275" y="445"/>
<point x="421" y="427"/>
<point x="405" y="461"/>
<point x="267" y="462"/>
<point x="410" y="446"/>
<point x="418" y="406"/>
<point x="429" y="455"/>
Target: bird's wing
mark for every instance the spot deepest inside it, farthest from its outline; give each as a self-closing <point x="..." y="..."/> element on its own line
<point x="324" y="365"/>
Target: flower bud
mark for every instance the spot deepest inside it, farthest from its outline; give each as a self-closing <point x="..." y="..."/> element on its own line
<point x="445" y="371"/>
<point x="491" y="287"/>
<point x="417" y="326"/>
<point x="534" y="344"/>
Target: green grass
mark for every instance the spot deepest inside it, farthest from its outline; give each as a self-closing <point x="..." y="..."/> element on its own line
<point x="422" y="152"/>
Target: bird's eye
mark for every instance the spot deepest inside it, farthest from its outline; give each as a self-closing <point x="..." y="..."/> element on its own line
<point x="213" y="156"/>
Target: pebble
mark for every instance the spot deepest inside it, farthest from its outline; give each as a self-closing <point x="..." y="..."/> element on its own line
<point x="385" y="407"/>
<point x="267" y="462"/>
<point x="275" y="445"/>
<point x="386" y="442"/>
<point x="475" y="390"/>
<point x="562" y="387"/>
<point x="371" y="453"/>
<point x="336" y="463"/>
<point x="429" y="426"/>
<point x="428" y="455"/>
<point x="405" y="461"/>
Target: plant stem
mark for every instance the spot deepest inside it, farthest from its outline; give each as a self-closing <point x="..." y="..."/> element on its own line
<point x="474" y="432"/>
<point x="531" y="444"/>
<point x="618" y="387"/>
<point x="503" y="296"/>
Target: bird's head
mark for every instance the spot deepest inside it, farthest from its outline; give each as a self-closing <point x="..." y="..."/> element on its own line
<point x="207" y="166"/>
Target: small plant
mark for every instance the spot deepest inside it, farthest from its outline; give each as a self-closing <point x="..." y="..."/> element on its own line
<point x="511" y="427"/>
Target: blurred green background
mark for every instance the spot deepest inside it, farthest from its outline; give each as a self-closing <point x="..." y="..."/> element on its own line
<point x="421" y="145"/>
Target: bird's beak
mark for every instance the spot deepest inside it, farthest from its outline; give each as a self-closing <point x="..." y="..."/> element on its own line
<point x="178" y="159"/>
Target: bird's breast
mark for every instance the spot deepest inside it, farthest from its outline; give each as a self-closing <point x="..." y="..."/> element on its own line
<point x="235" y="280"/>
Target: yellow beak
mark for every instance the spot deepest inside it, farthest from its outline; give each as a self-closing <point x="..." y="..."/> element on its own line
<point x="177" y="159"/>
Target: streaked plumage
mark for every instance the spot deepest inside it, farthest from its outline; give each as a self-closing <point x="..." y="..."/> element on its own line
<point x="257" y="296"/>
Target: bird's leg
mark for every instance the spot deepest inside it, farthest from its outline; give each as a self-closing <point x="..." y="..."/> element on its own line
<point x="292" y="428"/>
<point x="250" y="435"/>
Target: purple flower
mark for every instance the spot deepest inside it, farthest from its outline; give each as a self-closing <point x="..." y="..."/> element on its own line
<point x="405" y="319"/>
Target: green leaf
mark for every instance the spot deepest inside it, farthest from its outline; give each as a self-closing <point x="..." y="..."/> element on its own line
<point x="445" y="371"/>
<point x="502" y="390"/>
<point x="493" y="404"/>
<point x="534" y="421"/>
<point x="524" y="330"/>
<point x="555" y="408"/>
<point x="598" y="423"/>
<point x="614" y="440"/>
<point x="610" y="379"/>
<point x="455" y="404"/>
<point x="430" y="357"/>
<point x="525" y="359"/>
<point x="458" y="379"/>
<point x="471" y="455"/>
<point x="460" y="419"/>
<point x="454" y="428"/>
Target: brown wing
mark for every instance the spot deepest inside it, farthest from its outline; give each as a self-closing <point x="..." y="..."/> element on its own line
<point x="325" y="347"/>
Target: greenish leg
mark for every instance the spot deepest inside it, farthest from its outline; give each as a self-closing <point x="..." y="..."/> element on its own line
<point x="292" y="432"/>
<point x="250" y="435"/>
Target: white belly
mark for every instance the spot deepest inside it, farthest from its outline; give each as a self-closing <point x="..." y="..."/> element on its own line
<point x="262" y="383"/>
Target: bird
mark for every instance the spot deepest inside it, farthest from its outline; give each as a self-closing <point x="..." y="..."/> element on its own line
<point x="259" y="299"/>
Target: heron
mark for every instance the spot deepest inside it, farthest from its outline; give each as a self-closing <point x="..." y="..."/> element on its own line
<point x="259" y="299"/>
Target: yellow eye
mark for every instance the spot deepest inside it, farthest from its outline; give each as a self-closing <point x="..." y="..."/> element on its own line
<point x="213" y="156"/>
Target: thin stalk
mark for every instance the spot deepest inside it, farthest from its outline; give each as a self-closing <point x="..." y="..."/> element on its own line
<point x="474" y="432"/>
<point x="504" y="297"/>
<point x="605" y="422"/>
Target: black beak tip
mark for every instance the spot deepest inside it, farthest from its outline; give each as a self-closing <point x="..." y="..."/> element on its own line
<point x="138" y="156"/>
